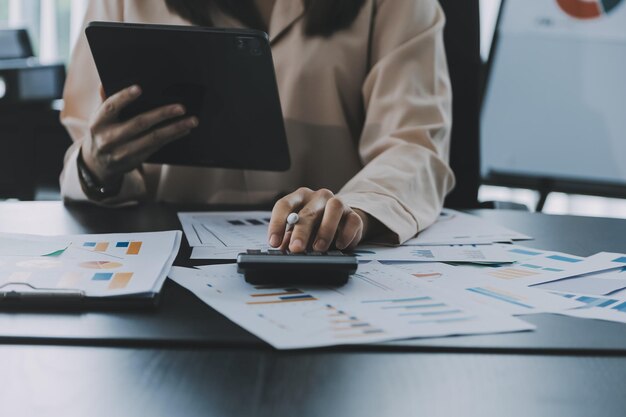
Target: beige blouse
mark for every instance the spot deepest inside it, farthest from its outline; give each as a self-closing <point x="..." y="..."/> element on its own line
<point x="367" y="114"/>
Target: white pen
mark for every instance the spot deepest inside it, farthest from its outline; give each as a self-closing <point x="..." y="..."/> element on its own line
<point x="292" y="220"/>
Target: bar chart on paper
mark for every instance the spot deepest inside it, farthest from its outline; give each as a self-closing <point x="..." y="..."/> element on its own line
<point x="226" y="229"/>
<point x="601" y="308"/>
<point x="437" y="253"/>
<point x="223" y="235"/>
<point x="114" y="248"/>
<point x="538" y="267"/>
<point x="296" y="310"/>
<point x="533" y="263"/>
<point x="266" y="295"/>
<point x="420" y="310"/>
<point x="97" y="265"/>
<point x="380" y="303"/>
<point x="518" y="299"/>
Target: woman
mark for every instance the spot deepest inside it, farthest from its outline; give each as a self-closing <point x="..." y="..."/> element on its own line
<point x="366" y="100"/>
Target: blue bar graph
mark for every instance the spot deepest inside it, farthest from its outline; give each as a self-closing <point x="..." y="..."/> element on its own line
<point x="102" y="276"/>
<point x="525" y="252"/>
<point x="397" y="300"/>
<point x="531" y="266"/>
<point x="620" y="307"/>
<point x="563" y="258"/>
<point x="499" y="296"/>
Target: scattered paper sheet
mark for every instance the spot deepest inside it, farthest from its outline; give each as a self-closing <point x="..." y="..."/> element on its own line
<point x="600" y="308"/>
<point x="427" y="271"/>
<point x="223" y="235"/>
<point x="456" y="228"/>
<point x="98" y="265"/>
<point x="31" y="245"/>
<point x="234" y="229"/>
<point x="600" y="283"/>
<point x="539" y="267"/>
<point x="379" y="304"/>
<point x="505" y="296"/>
<point x="449" y="253"/>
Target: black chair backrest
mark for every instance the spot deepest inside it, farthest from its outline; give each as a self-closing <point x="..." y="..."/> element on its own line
<point x="462" y="39"/>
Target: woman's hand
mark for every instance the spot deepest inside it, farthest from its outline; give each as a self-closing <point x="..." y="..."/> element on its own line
<point x="114" y="148"/>
<point x="324" y="219"/>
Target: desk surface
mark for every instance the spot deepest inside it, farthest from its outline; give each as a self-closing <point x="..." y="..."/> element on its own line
<point x="183" y="320"/>
<point x="193" y="378"/>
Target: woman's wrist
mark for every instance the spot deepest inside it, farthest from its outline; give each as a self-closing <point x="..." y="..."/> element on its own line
<point x="92" y="185"/>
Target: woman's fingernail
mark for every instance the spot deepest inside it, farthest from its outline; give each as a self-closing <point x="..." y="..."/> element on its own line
<point x="193" y="122"/>
<point x="320" y="245"/>
<point x="297" y="245"/>
<point x="275" y="240"/>
<point x="134" y="90"/>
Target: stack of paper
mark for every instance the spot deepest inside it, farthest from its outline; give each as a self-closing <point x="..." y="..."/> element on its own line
<point x="503" y="295"/>
<point x="379" y="304"/>
<point x="511" y="279"/>
<point x="94" y="265"/>
<point x="223" y="235"/>
<point x="456" y="228"/>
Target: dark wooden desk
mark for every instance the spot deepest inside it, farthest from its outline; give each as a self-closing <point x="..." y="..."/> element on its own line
<point x="185" y="376"/>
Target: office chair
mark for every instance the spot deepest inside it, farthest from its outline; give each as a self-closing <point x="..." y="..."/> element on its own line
<point x="462" y="39"/>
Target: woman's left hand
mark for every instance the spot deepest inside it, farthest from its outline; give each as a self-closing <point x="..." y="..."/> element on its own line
<point x="324" y="219"/>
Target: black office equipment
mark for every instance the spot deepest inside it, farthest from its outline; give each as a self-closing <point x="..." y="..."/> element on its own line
<point x="284" y="268"/>
<point x="23" y="78"/>
<point x="25" y="81"/>
<point x="15" y="44"/>
<point x="225" y="77"/>
<point x="462" y="39"/>
<point x="32" y="141"/>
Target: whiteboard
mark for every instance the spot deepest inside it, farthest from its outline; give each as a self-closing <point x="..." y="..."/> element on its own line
<point x="555" y="103"/>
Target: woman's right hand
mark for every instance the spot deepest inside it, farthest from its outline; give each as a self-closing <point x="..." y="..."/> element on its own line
<point x="114" y="148"/>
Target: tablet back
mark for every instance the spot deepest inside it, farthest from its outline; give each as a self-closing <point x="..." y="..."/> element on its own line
<point x="225" y="77"/>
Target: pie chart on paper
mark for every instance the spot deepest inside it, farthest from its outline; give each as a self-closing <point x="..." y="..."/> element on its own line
<point x="588" y="9"/>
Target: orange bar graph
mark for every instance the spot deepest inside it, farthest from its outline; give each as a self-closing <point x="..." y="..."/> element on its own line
<point x="120" y="280"/>
<point x="101" y="247"/>
<point x="133" y="248"/>
<point x="276" y="294"/>
<point x="281" y="301"/>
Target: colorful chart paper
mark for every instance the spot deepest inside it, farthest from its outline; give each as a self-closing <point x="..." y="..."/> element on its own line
<point x="98" y="265"/>
<point x="379" y="303"/>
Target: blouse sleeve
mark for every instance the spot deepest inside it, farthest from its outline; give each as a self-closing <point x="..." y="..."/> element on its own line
<point x="81" y="99"/>
<point x="405" y="141"/>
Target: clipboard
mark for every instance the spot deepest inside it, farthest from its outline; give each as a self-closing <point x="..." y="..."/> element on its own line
<point x="21" y="296"/>
<point x="94" y="272"/>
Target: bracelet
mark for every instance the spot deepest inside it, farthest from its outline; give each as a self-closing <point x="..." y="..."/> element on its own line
<point x="91" y="186"/>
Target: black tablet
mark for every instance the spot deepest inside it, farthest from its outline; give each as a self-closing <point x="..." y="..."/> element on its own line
<point x="225" y="77"/>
